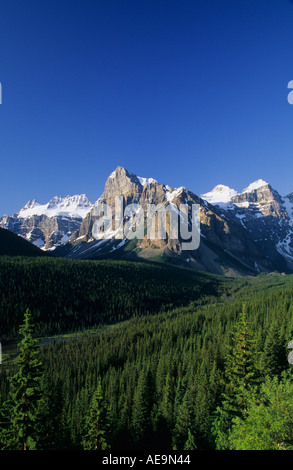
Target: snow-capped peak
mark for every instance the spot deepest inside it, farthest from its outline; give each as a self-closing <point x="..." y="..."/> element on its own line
<point x="113" y="174"/>
<point x="120" y="170"/>
<point x="220" y="194"/>
<point x="172" y="193"/>
<point x="147" y="181"/>
<point x="31" y="204"/>
<point x="69" y="206"/>
<point x="255" y="185"/>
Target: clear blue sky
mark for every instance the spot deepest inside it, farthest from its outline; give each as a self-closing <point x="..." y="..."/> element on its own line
<point x="190" y="92"/>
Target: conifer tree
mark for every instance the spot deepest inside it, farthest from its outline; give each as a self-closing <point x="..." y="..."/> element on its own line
<point x="202" y="408"/>
<point x="23" y="406"/>
<point x="274" y="359"/>
<point x="268" y="423"/>
<point x="142" y="407"/>
<point x="241" y="376"/>
<point x="96" y="425"/>
<point x="184" y="421"/>
<point x="53" y="435"/>
<point x="190" y="443"/>
<point x="163" y="421"/>
<point x="5" y="410"/>
<point x="166" y="407"/>
<point x="240" y="383"/>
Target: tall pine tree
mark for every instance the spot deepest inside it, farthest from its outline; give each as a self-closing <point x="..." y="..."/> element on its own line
<point x="274" y="359"/>
<point x="240" y="383"/>
<point x="96" y="426"/>
<point x="23" y="406"/>
<point x="240" y="372"/>
<point x="142" y="408"/>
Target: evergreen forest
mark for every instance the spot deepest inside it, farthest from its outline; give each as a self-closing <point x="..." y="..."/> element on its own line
<point x="109" y="355"/>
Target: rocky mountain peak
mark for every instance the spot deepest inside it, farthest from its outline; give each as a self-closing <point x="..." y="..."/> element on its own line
<point x="259" y="192"/>
<point x="54" y="201"/>
<point x="72" y="206"/>
<point x="220" y="194"/>
<point x="119" y="181"/>
<point x="30" y="204"/>
<point x="122" y="182"/>
<point x="49" y="225"/>
<point x="255" y="227"/>
<point x="120" y="173"/>
<point x="256" y="185"/>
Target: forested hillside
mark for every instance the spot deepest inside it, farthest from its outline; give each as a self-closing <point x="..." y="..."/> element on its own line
<point x="13" y="245"/>
<point x="66" y="295"/>
<point x="212" y="374"/>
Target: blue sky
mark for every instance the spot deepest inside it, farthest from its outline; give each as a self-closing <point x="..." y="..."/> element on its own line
<point x="189" y="92"/>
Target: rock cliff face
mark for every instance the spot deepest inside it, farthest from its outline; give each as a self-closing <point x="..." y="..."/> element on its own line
<point x="240" y="233"/>
<point x="50" y="225"/>
<point x="227" y="245"/>
<point x="260" y="198"/>
<point x="267" y="219"/>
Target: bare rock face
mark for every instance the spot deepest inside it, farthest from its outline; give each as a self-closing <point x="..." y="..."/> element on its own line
<point x="226" y="245"/>
<point x="240" y="233"/>
<point x="263" y="199"/>
<point x="267" y="218"/>
<point x="50" y="225"/>
<point x="121" y="182"/>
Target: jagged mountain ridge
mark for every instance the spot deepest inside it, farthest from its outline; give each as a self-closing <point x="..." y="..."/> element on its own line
<point x="265" y="214"/>
<point x="228" y="245"/>
<point x="245" y="232"/>
<point x="48" y="225"/>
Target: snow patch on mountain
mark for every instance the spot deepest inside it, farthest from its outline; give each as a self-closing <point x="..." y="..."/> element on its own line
<point x="69" y="206"/>
<point x="171" y="193"/>
<point x="220" y="194"/>
<point x="147" y="181"/>
<point x="284" y="247"/>
<point x="288" y="205"/>
<point x="255" y="185"/>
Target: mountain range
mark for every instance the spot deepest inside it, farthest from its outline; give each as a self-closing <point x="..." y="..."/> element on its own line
<point x="48" y="225"/>
<point x="240" y="233"/>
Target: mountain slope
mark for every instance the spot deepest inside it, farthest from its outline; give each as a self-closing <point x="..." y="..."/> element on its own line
<point x="226" y="247"/>
<point x="13" y="245"/>
<point x="267" y="218"/>
<point x="244" y="232"/>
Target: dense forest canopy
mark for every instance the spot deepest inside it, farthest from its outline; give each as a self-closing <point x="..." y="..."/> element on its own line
<point x="65" y="295"/>
<point x="184" y="360"/>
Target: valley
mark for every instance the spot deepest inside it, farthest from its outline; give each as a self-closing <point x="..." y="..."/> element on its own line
<point x="157" y="336"/>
